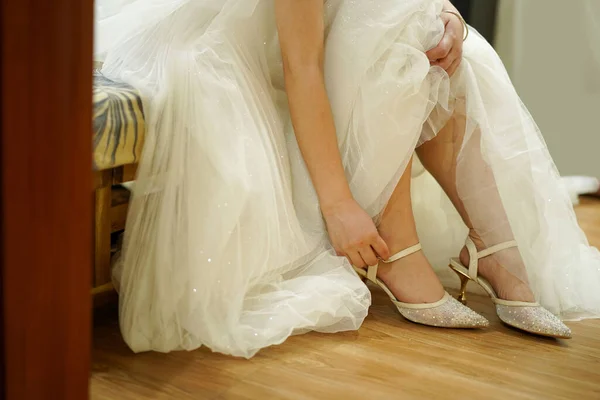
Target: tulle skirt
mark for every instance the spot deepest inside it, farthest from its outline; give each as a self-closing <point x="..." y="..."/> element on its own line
<point x="225" y="245"/>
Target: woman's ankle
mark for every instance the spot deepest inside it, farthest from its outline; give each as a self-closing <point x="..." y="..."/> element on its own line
<point x="509" y="286"/>
<point x="464" y="255"/>
<point x="501" y="234"/>
<point x="412" y="279"/>
<point x="398" y="239"/>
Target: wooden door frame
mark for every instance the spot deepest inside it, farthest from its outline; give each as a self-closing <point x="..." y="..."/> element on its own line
<point x="46" y="193"/>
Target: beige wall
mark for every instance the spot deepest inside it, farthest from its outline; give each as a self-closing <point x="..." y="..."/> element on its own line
<point x="551" y="49"/>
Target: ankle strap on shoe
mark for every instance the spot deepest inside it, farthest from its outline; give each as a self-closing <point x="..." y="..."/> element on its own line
<point x="494" y="249"/>
<point x="475" y="256"/>
<point x="372" y="269"/>
<point x="403" y="253"/>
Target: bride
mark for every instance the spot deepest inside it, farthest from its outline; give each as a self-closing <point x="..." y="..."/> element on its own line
<point x="277" y="171"/>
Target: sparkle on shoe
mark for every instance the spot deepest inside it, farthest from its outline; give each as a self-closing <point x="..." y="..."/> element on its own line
<point x="450" y="314"/>
<point x="535" y="320"/>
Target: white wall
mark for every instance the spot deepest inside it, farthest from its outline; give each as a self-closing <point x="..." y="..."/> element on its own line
<point x="552" y="51"/>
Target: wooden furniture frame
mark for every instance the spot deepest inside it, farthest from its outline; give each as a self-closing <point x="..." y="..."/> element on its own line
<point x="109" y="218"/>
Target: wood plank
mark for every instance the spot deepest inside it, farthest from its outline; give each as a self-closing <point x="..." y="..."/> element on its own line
<point x="107" y="287"/>
<point x="46" y="52"/>
<point x="102" y="231"/>
<point x="102" y="178"/>
<point x="118" y="217"/>
<point x="125" y="173"/>
<point x="129" y="172"/>
<point x="388" y="358"/>
<point x="119" y="208"/>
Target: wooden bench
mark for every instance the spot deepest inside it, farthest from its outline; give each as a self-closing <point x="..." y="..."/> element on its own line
<point x="118" y="135"/>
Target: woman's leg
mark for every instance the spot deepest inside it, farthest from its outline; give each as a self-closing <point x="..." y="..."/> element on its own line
<point x="479" y="205"/>
<point x="399" y="231"/>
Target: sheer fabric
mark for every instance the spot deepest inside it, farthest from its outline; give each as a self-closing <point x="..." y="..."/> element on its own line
<point x="225" y="245"/>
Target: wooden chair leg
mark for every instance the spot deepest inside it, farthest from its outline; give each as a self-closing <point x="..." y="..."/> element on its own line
<point x="102" y="230"/>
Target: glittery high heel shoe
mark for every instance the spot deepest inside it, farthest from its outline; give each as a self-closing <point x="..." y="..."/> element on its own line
<point x="444" y="313"/>
<point x="526" y="316"/>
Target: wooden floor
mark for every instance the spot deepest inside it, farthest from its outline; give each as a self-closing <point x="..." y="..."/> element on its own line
<point x="388" y="358"/>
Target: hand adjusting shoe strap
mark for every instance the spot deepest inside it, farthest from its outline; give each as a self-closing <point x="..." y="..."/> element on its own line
<point x="372" y="269"/>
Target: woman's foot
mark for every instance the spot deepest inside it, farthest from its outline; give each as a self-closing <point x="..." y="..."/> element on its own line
<point x="507" y="285"/>
<point x="417" y="294"/>
<point x="411" y="279"/>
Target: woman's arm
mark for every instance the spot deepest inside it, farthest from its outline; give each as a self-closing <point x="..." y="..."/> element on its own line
<point x="301" y="35"/>
<point x="301" y="32"/>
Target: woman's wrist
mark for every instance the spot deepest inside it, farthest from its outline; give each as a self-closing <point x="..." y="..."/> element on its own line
<point x="462" y="21"/>
<point x="450" y="9"/>
<point x="333" y="201"/>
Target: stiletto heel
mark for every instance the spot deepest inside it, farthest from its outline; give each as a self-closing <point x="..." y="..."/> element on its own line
<point x="526" y="316"/>
<point x="445" y="313"/>
<point x="464" y="280"/>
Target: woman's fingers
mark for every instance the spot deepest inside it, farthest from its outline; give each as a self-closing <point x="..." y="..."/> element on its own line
<point x="368" y="256"/>
<point x="445" y="63"/>
<point x="442" y="50"/>
<point x="451" y="62"/>
<point x="355" y="259"/>
<point x="381" y="248"/>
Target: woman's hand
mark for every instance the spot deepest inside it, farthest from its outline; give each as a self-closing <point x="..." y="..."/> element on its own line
<point x="448" y="53"/>
<point x="354" y="235"/>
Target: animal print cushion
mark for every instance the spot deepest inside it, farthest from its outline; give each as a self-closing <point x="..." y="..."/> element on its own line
<point x="118" y="125"/>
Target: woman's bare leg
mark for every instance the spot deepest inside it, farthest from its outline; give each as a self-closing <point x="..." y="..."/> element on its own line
<point x="399" y="231"/>
<point x="488" y="219"/>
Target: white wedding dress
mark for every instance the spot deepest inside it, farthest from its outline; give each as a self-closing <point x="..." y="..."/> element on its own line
<point x="225" y="245"/>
